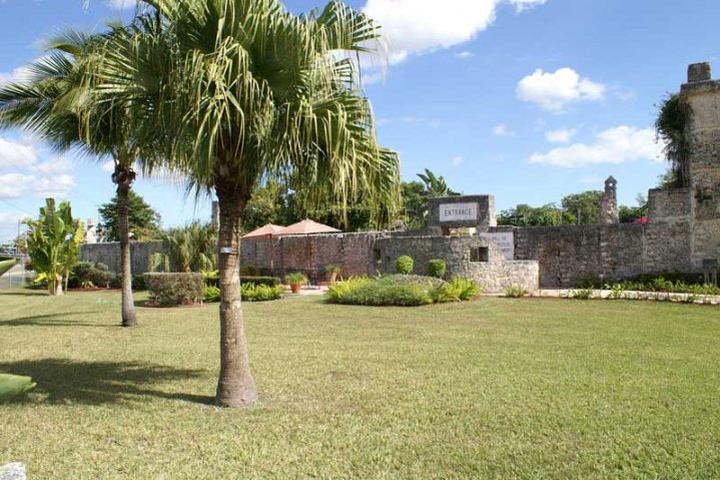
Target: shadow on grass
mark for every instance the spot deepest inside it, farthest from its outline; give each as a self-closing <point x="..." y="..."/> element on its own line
<point x="96" y="383"/>
<point x="25" y="293"/>
<point x="52" y="320"/>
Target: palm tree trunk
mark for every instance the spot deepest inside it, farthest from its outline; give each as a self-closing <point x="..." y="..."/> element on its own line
<point x="129" y="318"/>
<point x="236" y="387"/>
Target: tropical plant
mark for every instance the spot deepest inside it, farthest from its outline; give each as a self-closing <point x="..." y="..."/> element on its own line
<point x="296" y="279"/>
<point x="230" y="92"/>
<point x="186" y="249"/>
<point x="333" y="271"/>
<point x="515" y="291"/>
<point x="53" y="243"/>
<point x="59" y="101"/>
<point x="435" y="186"/>
<point x="404" y="265"/>
<point x="671" y="124"/>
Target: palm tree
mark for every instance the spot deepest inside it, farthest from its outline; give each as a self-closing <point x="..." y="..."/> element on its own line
<point x="671" y="125"/>
<point x="435" y="186"/>
<point x="57" y="102"/>
<point x="186" y="249"/>
<point x="245" y="91"/>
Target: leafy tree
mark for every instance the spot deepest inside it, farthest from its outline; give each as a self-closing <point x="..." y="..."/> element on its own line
<point x="270" y="203"/>
<point x="670" y="125"/>
<point x="527" y="216"/>
<point x="232" y="92"/>
<point x="633" y="214"/>
<point x="415" y="205"/>
<point x="187" y="249"/>
<point x="59" y="101"/>
<point x="53" y="242"/>
<point x="143" y="221"/>
<point x="582" y="208"/>
<point x="435" y="186"/>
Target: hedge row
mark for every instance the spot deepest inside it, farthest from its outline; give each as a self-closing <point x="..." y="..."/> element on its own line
<point x="171" y="289"/>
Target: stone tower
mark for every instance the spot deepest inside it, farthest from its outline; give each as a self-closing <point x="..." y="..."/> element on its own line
<point x="609" y="213"/>
<point x="702" y="95"/>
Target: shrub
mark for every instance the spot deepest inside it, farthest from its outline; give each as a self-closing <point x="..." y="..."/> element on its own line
<point x="582" y="294"/>
<point x="296" y="278"/>
<point x="14" y="385"/>
<point x="404" y="265"/>
<point x="437" y="268"/>
<point x="138" y="283"/>
<point x="514" y="291"/>
<point x="456" y="290"/>
<point x="211" y="294"/>
<point x="261" y="293"/>
<point x="400" y="290"/>
<point x="90" y="274"/>
<point x="172" y="289"/>
<point x="249" y="271"/>
<point x="616" y="291"/>
<point x="269" y="281"/>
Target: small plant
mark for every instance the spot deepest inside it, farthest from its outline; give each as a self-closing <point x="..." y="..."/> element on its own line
<point x="515" y="291"/>
<point x="437" y="268"/>
<point x="456" y="290"/>
<point x="582" y="294"/>
<point x="617" y="291"/>
<point x="333" y="271"/>
<point x="211" y="294"/>
<point x="404" y="265"/>
<point x="296" y="281"/>
<point x="173" y="289"/>
<point x="261" y="293"/>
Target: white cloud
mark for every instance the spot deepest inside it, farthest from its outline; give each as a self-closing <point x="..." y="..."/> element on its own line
<point x="121" y="4"/>
<point x="562" y="135"/>
<point x="554" y="91"/>
<point x="464" y="55"/>
<point x="614" y="146"/>
<point x="502" y="130"/>
<point x="522" y="5"/>
<point x="16" y="154"/>
<point x="457" y="161"/>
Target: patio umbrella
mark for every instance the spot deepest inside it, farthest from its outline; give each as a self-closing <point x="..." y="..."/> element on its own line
<point x="308" y="227"/>
<point x="266" y="231"/>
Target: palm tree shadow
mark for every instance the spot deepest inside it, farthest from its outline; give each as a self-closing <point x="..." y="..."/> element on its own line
<point x="51" y="320"/>
<point x="96" y="383"/>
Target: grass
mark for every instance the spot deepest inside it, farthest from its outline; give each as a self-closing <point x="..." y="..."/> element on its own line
<point x="499" y="388"/>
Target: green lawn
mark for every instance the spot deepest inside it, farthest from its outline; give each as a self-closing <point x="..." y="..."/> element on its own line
<point x="493" y="389"/>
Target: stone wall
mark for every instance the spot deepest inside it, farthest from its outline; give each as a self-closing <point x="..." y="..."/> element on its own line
<point x="570" y="254"/>
<point x="109" y="254"/>
<point x="310" y="254"/>
<point x="493" y="275"/>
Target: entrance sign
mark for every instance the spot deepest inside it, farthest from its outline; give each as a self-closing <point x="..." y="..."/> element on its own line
<point x="458" y="212"/>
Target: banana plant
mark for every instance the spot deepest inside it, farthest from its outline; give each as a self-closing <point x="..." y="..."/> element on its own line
<point x="53" y="244"/>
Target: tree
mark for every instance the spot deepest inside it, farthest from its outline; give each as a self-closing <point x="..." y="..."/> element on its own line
<point x="59" y="102"/>
<point x="526" y="216"/>
<point x="670" y="125"/>
<point x="435" y="186"/>
<point x="232" y="92"/>
<point x="187" y="249"/>
<point x="53" y="242"/>
<point x="582" y="208"/>
<point x="415" y="205"/>
<point x="143" y="221"/>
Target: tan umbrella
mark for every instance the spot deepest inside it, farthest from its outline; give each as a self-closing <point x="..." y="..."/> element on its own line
<point x="308" y="227"/>
<point x="268" y="230"/>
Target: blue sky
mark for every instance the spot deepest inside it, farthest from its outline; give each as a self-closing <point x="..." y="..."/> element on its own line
<point x="527" y="99"/>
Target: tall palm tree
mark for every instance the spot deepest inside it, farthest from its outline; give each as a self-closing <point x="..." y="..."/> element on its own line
<point x="246" y="91"/>
<point x="56" y="101"/>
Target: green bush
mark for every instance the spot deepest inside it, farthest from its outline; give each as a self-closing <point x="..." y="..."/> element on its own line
<point x="404" y="265"/>
<point x="172" y="289"/>
<point x="249" y="271"/>
<point x="296" y="278"/>
<point x="90" y="274"/>
<point x="138" y="283"/>
<point x="250" y="293"/>
<point x="400" y="290"/>
<point x="582" y="294"/>
<point x="261" y="293"/>
<point x="662" y="285"/>
<point x="437" y="268"/>
<point x="269" y="281"/>
<point x="6" y="265"/>
<point x="456" y="290"/>
<point x="616" y="291"/>
<point x="211" y="293"/>
<point x="514" y="291"/>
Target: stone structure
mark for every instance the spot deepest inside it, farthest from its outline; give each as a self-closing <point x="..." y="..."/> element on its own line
<point x="609" y="213"/>
<point x="682" y="234"/>
<point x="109" y="254"/>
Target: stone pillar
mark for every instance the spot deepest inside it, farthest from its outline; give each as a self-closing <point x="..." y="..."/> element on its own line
<point x="609" y="213"/>
<point x="702" y="96"/>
